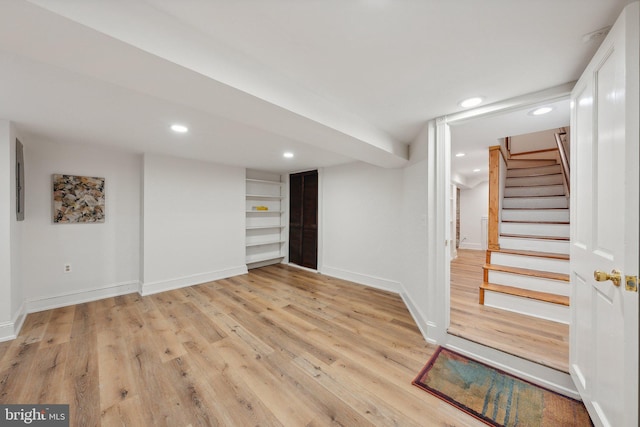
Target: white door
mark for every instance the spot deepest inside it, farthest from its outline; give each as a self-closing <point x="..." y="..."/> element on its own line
<point x="604" y="227"/>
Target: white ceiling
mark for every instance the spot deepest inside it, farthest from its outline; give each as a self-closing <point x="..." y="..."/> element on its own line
<point x="473" y="137"/>
<point x="333" y="80"/>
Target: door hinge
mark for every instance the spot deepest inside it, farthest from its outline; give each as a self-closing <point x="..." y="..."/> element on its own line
<point x="631" y="283"/>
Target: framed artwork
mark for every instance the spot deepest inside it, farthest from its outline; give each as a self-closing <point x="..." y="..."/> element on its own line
<point x="78" y="199"/>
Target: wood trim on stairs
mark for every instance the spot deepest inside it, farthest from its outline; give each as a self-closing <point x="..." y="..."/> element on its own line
<point x="529" y="185"/>
<point x="535" y="222"/>
<point x="524" y="293"/>
<point x="534" y="197"/>
<point x="529" y="236"/>
<point x="527" y="272"/>
<point x="531" y="253"/>
<point x="530" y="173"/>
<point x="524" y="153"/>
<point x="493" y="240"/>
<point x="532" y="208"/>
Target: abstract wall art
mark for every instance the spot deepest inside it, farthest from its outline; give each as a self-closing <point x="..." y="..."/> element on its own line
<point x="78" y="199"/>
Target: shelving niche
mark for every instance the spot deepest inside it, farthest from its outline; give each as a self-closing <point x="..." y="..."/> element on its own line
<point x="265" y="241"/>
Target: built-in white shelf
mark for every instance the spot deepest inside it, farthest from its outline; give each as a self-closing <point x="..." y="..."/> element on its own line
<point x="256" y="259"/>
<point x="264" y="181"/>
<point x="275" y="242"/>
<point x="264" y="228"/>
<point x="263" y="196"/>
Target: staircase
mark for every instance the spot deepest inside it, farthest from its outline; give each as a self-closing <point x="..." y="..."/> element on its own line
<point x="529" y="273"/>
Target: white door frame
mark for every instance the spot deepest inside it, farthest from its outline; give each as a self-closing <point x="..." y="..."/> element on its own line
<point x="438" y="209"/>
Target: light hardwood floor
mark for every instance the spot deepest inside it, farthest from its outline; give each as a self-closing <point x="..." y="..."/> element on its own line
<point x="538" y="340"/>
<point x="278" y="346"/>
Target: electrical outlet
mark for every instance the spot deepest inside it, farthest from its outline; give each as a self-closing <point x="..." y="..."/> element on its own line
<point x="67" y="268"/>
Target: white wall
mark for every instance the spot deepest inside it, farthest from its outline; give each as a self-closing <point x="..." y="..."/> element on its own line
<point x="12" y="312"/>
<point x="534" y="141"/>
<point x="6" y="325"/>
<point x="416" y="288"/>
<point x="17" y="230"/>
<point x="104" y="257"/>
<point x="193" y="222"/>
<point x="474" y="204"/>
<point x="361" y="224"/>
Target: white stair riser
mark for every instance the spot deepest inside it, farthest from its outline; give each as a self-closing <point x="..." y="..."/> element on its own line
<point x="531" y="262"/>
<point x="543" y="190"/>
<point x="533" y="171"/>
<point x="514" y="163"/>
<point x="531" y="283"/>
<point x="535" y="202"/>
<point x="556" y="230"/>
<point x="542" y="215"/>
<point x="528" y="306"/>
<point x="538" y="245"/>
<point x="555" y="179"/>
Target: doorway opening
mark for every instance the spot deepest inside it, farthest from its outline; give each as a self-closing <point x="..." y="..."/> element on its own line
<point x="303" y="219"/>
<point x="513" y="330"/>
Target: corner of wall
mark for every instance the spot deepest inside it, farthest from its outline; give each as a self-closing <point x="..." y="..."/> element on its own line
<point x="11" y="330"/>
<point x="422" y="323"/>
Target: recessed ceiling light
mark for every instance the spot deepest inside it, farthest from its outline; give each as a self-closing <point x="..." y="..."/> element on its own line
<point x="460" y="155"/>
<point x="540" y="111"/>
<point x="179" y="128"/>
<point x="471" y="102"/>
<point x="476" y="170"/>
<point x="288" y="154"/>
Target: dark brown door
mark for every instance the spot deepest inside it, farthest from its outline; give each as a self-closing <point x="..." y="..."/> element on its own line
<point x="303" y="219"/>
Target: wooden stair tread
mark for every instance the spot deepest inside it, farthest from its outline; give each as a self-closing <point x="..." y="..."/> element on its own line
<point x="531" y="170"/>
<point x="533" y="197"/>
<point x="532" y="209"/>
<point x="525" y="293"/>
<point x="514" y="162"/>
<point x="531" y="185"/>
<point x="513" y="165"/>
<point x="533" y="253"/>
<point x="512" y="221"/>
<point x="528" y="236"/>
<point x="550" y="173"/>
<point x="528" y="272"/>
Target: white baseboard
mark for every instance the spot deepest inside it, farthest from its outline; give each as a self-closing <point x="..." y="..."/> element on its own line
<point x="423" y="324"/>
<point x="7" y="331"/>
<point x="10" y="330"/>
<point x="470" y="245"/>
<point x="195" y="279"/>
<point x="363" y="279"/>
<point x="82" y="296"/>
<point x="310" y="270"/>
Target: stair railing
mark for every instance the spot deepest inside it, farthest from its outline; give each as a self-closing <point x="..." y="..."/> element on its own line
<point x="564" y="156"/>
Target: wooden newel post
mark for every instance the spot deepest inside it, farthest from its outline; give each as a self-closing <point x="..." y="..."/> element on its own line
<point x="494" y="198"/>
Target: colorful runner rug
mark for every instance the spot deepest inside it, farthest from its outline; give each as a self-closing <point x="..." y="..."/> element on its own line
<point x="495" y="397"/>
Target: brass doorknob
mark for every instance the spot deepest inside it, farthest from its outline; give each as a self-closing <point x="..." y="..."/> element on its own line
<point x="615" y="276"/>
